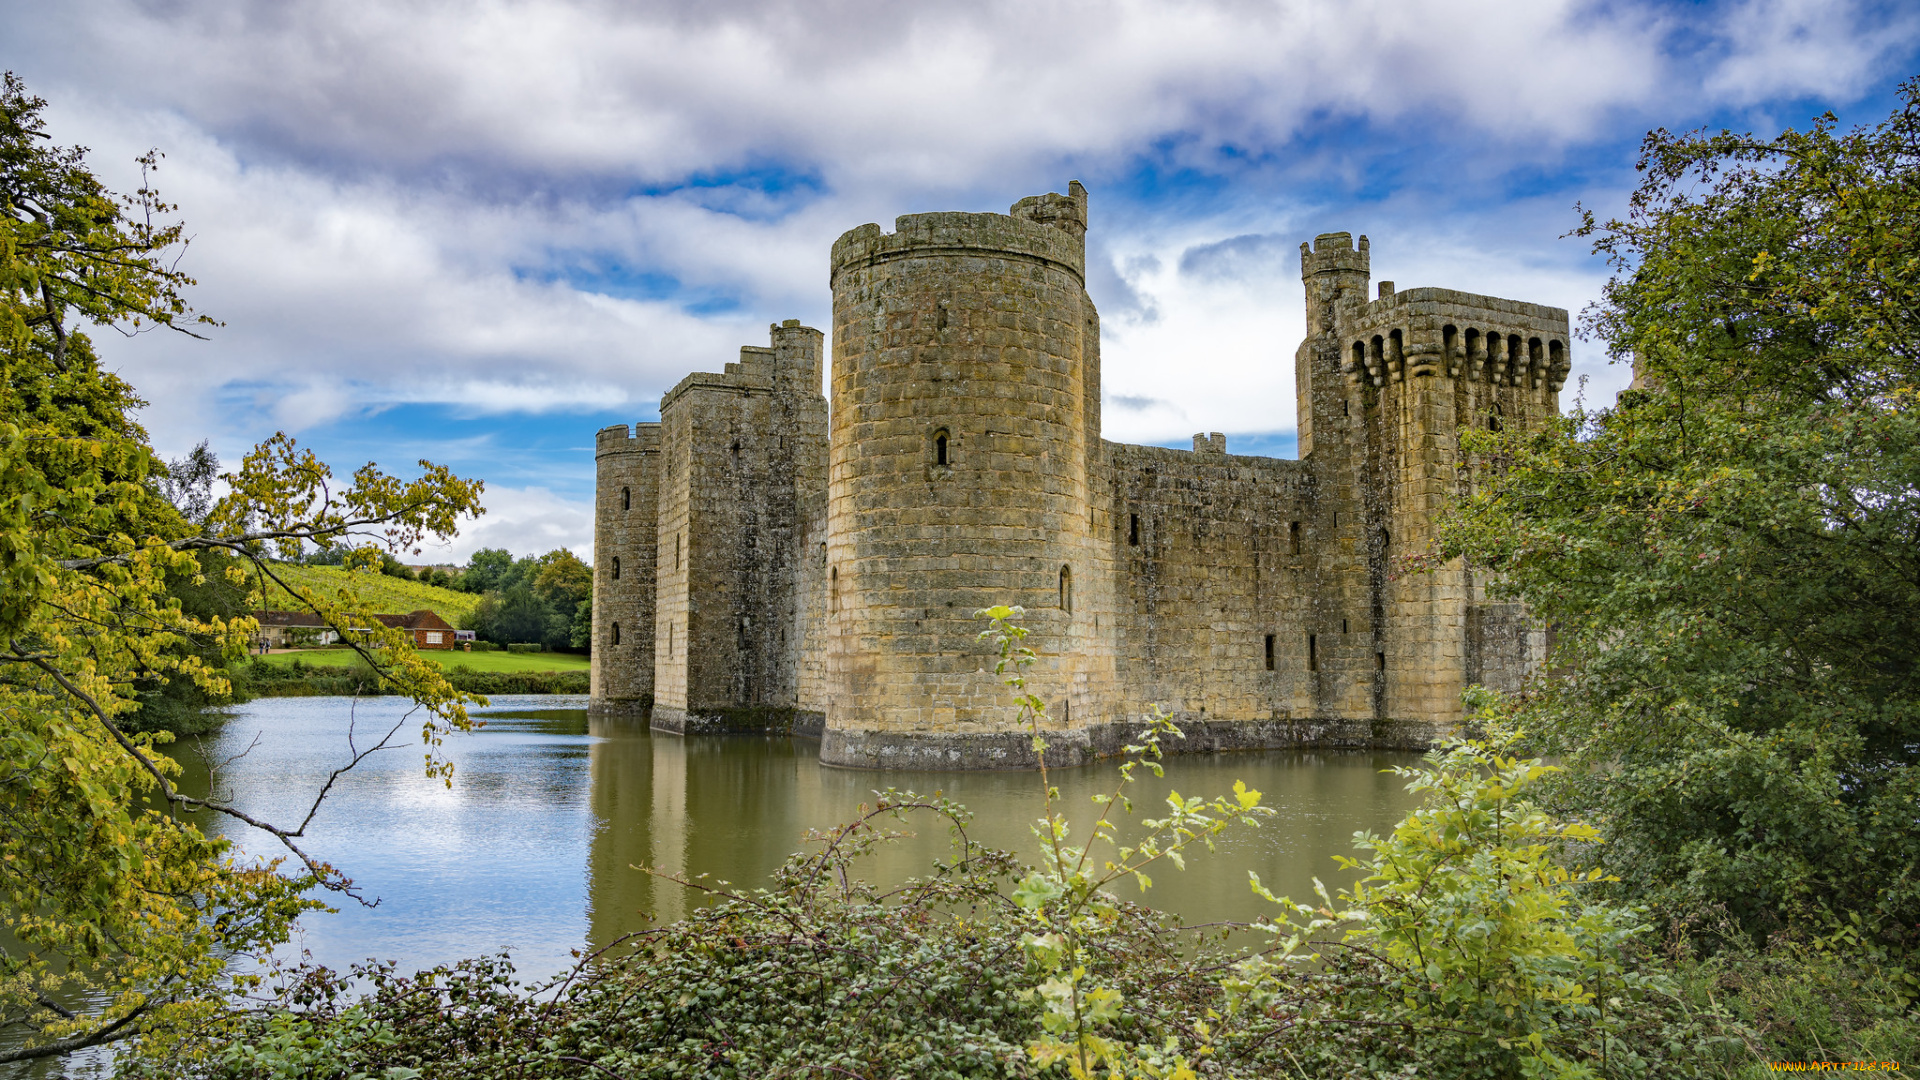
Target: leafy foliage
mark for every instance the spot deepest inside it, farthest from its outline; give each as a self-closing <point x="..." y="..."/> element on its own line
<point x="107" y="880"/>
<point x="546" y="600"/>
<point x="1488" y="955"/>
<point x="1731" y="554"/>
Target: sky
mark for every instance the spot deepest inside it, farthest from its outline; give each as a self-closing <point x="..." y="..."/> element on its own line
<point x="476" y="233"/>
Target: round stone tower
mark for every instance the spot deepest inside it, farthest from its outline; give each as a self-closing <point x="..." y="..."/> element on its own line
<point x="626" y="512"/>
<point x="965" y="354"/>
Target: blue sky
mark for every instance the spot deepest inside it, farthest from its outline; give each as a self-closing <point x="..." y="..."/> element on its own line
<point x="478" y="232"/>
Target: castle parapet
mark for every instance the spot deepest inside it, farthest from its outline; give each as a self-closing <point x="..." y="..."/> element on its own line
<point x="619" y="439"/>
<point x="1049" y="229"/>
<point x="1414" y="333"/>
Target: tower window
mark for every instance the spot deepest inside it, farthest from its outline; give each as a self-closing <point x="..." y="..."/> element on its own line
<point x="616" y="568"/>
<point x="669" y="641"/>
<point x="616" y="633"/>
<point x="1343" y="626"/>
<point x="833" y="589"/>
<point x="1313" y="653"/>
<point x="1293" y="537"/>
<point x="676" y="551"/>
<point x="1133" y="529"/>
<point x="1380" y="661"/>
<point x="1066" y="590"/>
<point x="626" y="498"/>
<point x="1269" y="652"/>
<point x="940" y="448"/>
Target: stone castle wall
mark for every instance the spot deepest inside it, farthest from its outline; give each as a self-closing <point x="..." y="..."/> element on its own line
<point x="744" y="454"/>
<point x="820" y="573"/>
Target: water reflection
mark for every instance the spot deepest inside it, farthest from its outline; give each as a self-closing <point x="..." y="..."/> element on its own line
<point x="533" y="848"/>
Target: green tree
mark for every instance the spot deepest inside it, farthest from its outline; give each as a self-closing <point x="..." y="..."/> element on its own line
<point x="580" y="635"/>
<point x="107" y="878"/>
<point x="565" y="584"/>
<point x="486" y="569"/>
<point x="1731" y="554"/>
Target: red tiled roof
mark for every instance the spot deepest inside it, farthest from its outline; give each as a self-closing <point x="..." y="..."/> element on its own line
<point x="424" y="619"/>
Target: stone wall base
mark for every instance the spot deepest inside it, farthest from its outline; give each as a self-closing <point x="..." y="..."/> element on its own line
<point x="1066" y="749"/>
<point x="634" y="706"/>
<point x="748" y="720"/>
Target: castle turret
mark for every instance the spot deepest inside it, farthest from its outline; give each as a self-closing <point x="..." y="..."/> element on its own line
<point x="1423" y="364"/>
<point x="959" y="479"/>
<point x="627" y="487"/>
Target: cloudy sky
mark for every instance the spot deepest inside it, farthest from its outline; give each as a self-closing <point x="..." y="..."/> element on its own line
<point x="478" y="232"/>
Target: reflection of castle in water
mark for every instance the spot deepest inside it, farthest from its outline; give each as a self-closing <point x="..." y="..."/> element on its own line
<point x="735" y="807"/>
<point x="763" y="565"/>
<point x="741" y="803"/>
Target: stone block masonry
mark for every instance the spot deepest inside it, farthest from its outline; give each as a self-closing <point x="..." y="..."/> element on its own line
<point x="797" y="570"/>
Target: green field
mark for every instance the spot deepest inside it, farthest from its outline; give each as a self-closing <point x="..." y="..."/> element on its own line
<point x="479" y="661"/>
<point x="389" y="595"/>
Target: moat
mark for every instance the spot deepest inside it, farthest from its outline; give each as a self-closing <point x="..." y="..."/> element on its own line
<point x="532" y="848"/>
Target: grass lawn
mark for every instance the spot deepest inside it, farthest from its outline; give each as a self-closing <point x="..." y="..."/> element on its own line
<point x="479" y="661"/>
<point x="387" y="594"/>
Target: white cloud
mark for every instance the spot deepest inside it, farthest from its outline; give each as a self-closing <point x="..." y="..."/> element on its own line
<point x="1801" y="48"/>
<point x="525" y="521"/>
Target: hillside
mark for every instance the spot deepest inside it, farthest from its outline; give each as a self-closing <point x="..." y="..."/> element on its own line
<point x="387" y="594"/>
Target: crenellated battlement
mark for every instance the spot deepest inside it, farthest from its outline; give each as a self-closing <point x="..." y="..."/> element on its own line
<point x="1335" y="253"/>
<point x="790" y="364"/>
<point x="1415" y="333"/>
<point x="1047" y="228"/>
<point x="619" y="439"/>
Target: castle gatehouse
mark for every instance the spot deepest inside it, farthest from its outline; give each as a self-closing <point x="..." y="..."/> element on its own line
<point x="763" y="562"/>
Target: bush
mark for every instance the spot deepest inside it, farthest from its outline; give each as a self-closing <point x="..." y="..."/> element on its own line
<point x="524" y="647"/>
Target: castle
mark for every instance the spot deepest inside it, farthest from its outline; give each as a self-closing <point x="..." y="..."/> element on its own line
<point x="764" y="562"/>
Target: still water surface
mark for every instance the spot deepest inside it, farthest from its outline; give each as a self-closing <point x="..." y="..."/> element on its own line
<point x="533" y="847"/>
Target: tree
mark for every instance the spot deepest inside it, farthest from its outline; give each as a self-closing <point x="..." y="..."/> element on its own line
<point x="486" y="569"/>
<point x="562" y="579"/>
<point x="105" y="872"/>
<point x="580" y="634"/>
<point x="565" y="584"/>
<point x="187" y="482"/>
<point x="1731" y="554"/>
